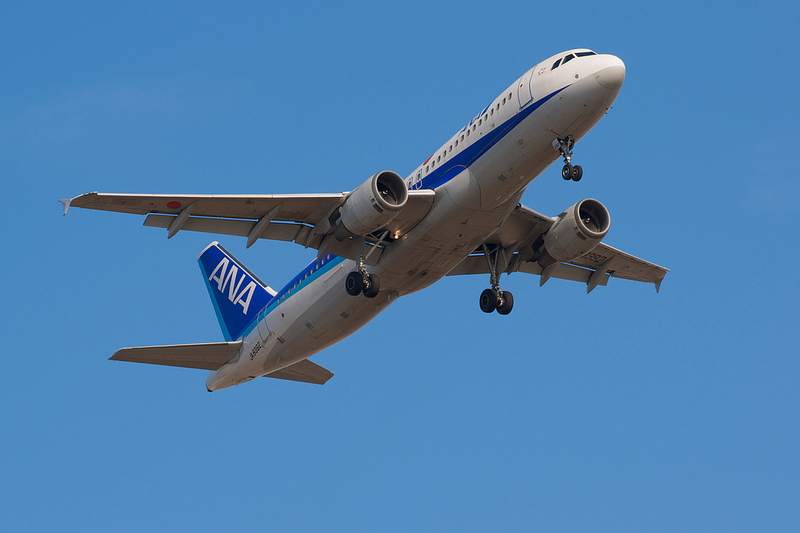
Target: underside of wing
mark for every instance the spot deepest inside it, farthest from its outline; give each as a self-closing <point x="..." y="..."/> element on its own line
<point x="305" y="208"/>
<point x="306" y="219"/>
<point x="209" y="356"/>
<point x="515" y="248"/>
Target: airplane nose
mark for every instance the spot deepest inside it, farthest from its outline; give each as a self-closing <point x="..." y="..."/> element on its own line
<point x="609" y="71"/>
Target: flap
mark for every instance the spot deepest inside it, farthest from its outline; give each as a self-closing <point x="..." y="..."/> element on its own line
<point x="305" y="371"/>
<point x="209" y="356"/>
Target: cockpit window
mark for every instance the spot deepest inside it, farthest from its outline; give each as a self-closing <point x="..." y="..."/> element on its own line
<point x="570" y="57"/>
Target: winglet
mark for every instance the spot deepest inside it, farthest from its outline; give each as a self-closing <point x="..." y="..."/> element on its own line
<point x="66" y="202"/>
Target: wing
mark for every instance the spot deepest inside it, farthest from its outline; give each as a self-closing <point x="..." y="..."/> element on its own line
<point x="512" y="247"/>
<point x="302" y="218"/>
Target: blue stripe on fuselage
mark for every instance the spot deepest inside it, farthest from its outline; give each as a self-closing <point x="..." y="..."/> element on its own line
<point x="471" y="153"/>
<point x="436" y="178"/>
<point x="310" y="273"/>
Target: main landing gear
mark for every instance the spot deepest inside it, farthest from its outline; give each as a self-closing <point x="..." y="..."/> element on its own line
<point x="564" y="147"/>
<point x="360" y="281"/>
<point x="496" y="298"/>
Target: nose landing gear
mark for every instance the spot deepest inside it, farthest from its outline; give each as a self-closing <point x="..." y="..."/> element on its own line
<point x="564" y="147"/>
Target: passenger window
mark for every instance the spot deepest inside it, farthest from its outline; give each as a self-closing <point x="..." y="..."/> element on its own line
<point x="480" y="121"/>
<point x="504" y="101"/>
<point x="498" y="106"/>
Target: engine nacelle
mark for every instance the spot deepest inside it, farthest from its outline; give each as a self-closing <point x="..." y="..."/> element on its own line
<point x="577" y="231"/>
<point x="372" y="205"/>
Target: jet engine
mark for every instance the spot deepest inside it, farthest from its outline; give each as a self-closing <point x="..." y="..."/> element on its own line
<point x="576" y="232"/>
<point x="372" y="205"/>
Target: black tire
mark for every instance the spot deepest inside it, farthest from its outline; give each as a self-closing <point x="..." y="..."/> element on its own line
<point x="488" y="301"/>
<point x="577" y="173"/>
<point x="354" y="283"/>
<point x="507" y="305"/>
<point x="371" y="291"/>
<point x="567" y="172"/>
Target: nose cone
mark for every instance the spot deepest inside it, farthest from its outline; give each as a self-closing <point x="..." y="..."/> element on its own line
<point x="609" y="71"/>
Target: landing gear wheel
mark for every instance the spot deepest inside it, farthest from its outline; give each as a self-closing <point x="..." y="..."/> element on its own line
<point x="354" y="283"/>
<point x="564" y="147"/>
<point x="374" y="285"/>
<point x="488" y="301"/>
<point x="508" y="303"/>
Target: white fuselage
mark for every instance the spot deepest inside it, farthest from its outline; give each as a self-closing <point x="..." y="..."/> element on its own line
<point x="479" y="175"/>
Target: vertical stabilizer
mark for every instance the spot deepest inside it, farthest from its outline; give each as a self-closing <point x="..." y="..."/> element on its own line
<point x="238" y="295"/>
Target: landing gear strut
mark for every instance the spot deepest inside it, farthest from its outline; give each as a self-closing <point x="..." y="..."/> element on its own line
<point x="360" y="281"/>
<point x="564" y="147"/>
<point x="496" y="298"/>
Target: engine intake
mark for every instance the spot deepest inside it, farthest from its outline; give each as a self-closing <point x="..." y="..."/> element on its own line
<point x="372" y="205"/>
<point x="576" y="232"/>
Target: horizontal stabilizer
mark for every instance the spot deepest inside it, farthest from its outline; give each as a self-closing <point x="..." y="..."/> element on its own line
<point x="304" y="371"/>
<point x="209" y="356"/>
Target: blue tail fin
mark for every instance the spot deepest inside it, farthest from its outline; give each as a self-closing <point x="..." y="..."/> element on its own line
<point x="238" y="295"/>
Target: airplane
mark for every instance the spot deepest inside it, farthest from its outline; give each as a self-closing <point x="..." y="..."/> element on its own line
<point x="457" y="213"/>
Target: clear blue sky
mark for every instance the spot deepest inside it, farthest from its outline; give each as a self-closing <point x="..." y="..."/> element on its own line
<point x="621" y="410"/>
